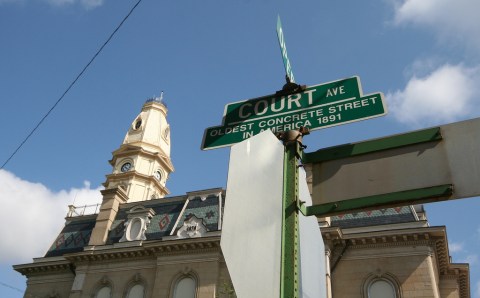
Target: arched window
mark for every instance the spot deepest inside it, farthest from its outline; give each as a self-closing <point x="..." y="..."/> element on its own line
<point x="136" y="291"/>
<point x="381" y="288"/>
<point x="185" y="288"/>
<point x="104" y="292"/>
<point x="137" y="124"/>
<point x="103" y="288"/>
<point x="166" y="134"/>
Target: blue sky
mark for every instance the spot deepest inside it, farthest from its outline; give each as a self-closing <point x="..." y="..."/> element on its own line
<point x="422" y="54"/>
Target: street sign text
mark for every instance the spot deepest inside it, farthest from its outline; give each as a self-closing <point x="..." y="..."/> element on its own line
<point x="317" y="107"/>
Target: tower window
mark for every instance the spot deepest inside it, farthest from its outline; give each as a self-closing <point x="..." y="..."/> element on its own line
<point x="138" y="124"/>
<point x="166" y="134"/>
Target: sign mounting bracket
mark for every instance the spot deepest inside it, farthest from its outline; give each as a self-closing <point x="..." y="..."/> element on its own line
<point x="290" y="88"/>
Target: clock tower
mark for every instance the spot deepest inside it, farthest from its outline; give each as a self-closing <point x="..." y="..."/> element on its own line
<point x="142" y="164"/>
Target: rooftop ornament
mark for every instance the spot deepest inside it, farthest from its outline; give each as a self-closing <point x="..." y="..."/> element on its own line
<point x="158" y="99"/>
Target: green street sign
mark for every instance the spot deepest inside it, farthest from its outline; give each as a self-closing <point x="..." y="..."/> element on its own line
<point x="320" y="115"/>
<point x="283" y="49"/>
<point x="275" y="106"/>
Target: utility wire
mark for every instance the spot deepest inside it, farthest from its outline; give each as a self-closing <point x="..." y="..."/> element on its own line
<point x="71" y="85"/>
<point x="11" y="287"/>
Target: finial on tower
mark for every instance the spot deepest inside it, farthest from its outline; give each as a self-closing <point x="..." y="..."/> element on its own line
<point x="156" y="98"/>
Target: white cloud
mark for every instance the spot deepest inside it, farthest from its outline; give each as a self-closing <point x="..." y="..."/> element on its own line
<point x="87" y="4"/>
<point x="452" y="21"/>
<point x="470" y="259"/>
<point x="455" y="247"/>
<point x="444" y="95"/>
<point x="60" y="2"/>
<point x="33" y="215"/>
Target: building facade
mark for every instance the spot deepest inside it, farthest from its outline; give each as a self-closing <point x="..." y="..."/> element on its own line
<point x="392" y="252"/>
<point x="143" y="244"/>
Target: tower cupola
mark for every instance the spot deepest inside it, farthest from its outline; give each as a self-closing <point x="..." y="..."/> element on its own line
<point x="142" y="164"/>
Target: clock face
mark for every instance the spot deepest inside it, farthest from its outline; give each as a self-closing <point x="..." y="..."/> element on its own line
<point x="157" y="174"/>
<point x="126" y="167"/>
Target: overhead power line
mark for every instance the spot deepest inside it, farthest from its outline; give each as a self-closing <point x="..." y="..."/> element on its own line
<point x="71" y="85"/>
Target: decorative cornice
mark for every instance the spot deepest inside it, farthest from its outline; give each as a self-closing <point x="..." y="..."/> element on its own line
<point x="461" y="273"/>
<point x="115" y="191"/>
<point x="127" y="149"/>
<point x="146" y="250"/>
<point x="157" y="105"/>
<point x="188" y="245"/>
<point x="205" y="193"/>
<point x="55" y="265"/>
<point x="133" y="173"/>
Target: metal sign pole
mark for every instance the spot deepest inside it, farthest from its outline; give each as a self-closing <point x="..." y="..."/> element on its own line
<point x="290" y="283"/>
<point x="289" y="275"/>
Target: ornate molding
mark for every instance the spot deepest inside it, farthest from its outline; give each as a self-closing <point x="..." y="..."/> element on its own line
<point x="148" y="249"/>
<point x="137" y="224"/>
<point x="45" y="266"/>
<point x="192" y="228"/>
<point x="145" y="251"/>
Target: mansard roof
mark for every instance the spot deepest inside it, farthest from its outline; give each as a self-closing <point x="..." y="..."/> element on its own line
<point x="375" y="217"/>
<point x="73" y="237"/>
<point x="169" y="216"/>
